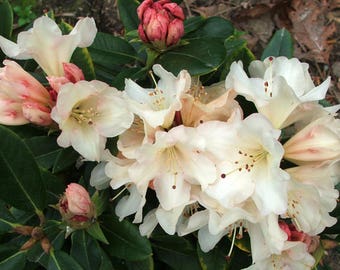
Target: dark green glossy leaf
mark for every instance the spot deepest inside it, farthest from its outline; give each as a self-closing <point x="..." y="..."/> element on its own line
<point x="106" y="262"/>
<point x="200" y="56"/>
<point x="59" y="260"/>
<point x="54" y="186"/>
<point x="146" y="264"/>
<point x="85" y="250"/>
<point x="125" y="239"/>
<point x="100" y="200"/>
<point x="20" y="174"/>
<point x="26" y="131"/>
<point x="193" y="24"/>
<point x="96" y="232"/>
<point x="45" y="149"/>
<point x="6" y="25"/>
<point x="128" y="14"/>
<point x="6" y="15"/>
<point x="119" y="80"/>
<point x="15" y="261"/>
<point x="281" y="44"/>
<point x="214" y="27"/>
<point x="66" y="158"/>
<point x="109" y="51"/>
<point x="176" y="252"/>
<point x="214" y="259"/>
<point x="7" y="221"/>
<point x="236" y="50"/>
<point x="82" y="58"/>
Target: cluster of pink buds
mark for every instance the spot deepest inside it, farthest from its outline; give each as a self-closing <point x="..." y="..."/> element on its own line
<point x="161" y="23"/>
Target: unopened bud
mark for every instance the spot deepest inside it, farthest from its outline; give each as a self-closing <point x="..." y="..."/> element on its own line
<point x="76" y="207"/>
<point x="161" y="23"/>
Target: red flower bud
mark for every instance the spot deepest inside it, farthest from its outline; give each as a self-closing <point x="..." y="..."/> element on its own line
<point x="161" y="23"/>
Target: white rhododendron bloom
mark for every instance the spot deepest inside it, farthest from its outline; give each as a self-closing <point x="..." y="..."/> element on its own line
<point x="312" y="196"/>
<point x="47" y="46"/>
<point x="276" y="86"/>
<point x="174" y="162"/>
<point x="157" y="106"/>
<point x="88" y="113"/>
<point x="294" y="256"/>
<point x="249" y="163"/>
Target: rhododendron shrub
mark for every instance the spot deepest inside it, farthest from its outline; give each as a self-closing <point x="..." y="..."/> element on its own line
<point x="127" y="147"/>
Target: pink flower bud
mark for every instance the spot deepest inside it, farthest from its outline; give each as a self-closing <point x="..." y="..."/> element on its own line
<point x="23" y="99"/>
<point x="312" y="242"/>
<point x="76" y="206"/>
<point x="161" y="23"/>
<point x="72" y="74"/>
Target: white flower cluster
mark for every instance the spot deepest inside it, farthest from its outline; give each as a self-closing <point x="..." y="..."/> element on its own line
<point x="217" y="172"/>
<point x="271" y="174"/>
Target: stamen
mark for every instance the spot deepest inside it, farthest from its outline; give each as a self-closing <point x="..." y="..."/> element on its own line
<point x="153" y="78"/>
<point x="233" y="242"/>
<point x="119" y="193"/>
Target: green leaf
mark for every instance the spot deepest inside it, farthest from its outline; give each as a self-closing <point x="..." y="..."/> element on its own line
<point x="59" y="260"/>
<point x="85" y="250"/>
<point x="45" y="149"/>
<point x="106" y="262"/>
<point x="7" y="221"/>
<point x="119" y="80"/>
<point x="65" y="158"/>
<point x="146" y="264"/>
<point x="176" y="252"/>
<point x="193" y="23"/>
<point x="214" y="27"/>
<point x="6" y="15"/>
<point x="96" y="232"/>
<point x="200" y="56"/>
<point x="281" y="44"/>
<point x="20" y="174"/>
<point x="125" y="239"/>
<point x="214" y="259"/>
<point x="54" y="186"/>
<point x="81" y="56"/>
<point x="128" y="14"/>
<point x="15" y="261"/>
<point x="236" y="49"/>
<point x="6" y="25"/>
<point x="100" y="200"/>
<point x="109" y="51"/>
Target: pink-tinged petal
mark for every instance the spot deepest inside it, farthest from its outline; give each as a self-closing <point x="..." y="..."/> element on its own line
<point x="78" y="199"/>
<point x="73" y="73"/>
<point x="36" y="113"/>
<point x="24" y="84"/>
<point x="11" y="113"/>
<point x="317" y="142"/>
